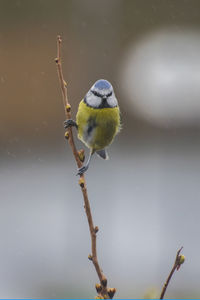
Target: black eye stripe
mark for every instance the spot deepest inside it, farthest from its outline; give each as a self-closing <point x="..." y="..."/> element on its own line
<point x="99" y="95"/>
<point x="108" y="95"/>
<point x="96" y="93"/>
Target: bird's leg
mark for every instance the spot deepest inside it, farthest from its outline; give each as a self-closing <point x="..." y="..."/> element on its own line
<point x="84" y="168"/>
<point x="69" y="123"/>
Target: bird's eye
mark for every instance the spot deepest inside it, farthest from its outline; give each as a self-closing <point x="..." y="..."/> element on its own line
<point x="108" y="95"/>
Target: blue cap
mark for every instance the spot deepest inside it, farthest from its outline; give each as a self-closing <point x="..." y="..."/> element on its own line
<point x="102" y="84"/>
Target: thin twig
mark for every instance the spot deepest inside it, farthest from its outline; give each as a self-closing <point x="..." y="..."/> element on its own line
<point x="102" y="289"/>
<point x="178" y="261"/>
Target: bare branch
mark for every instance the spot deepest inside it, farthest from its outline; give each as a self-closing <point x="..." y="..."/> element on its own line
<point x="66" y="104"/>
<point x="178" y="262"/>
<point x="102" y="290"/>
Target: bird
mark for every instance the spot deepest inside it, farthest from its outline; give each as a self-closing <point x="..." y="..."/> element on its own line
<point x="97" y="120"/>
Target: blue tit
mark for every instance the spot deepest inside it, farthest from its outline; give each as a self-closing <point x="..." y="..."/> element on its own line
<point x="97" y="120"/>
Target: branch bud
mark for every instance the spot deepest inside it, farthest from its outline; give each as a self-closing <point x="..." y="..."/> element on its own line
<point x="82" y="182"/>
<point x="96" y="229"/>
<point x="56" y="60"/>
<point x="180" y="261"/>
<point x="90" y="257"/>
<point x="111" y="292"/>
<point x="104" y="282"/>
<point x="66" y="135"/>
<point x="81" y="155"/>
<point x="98" y="287"/>
<point x="68" y="106"/>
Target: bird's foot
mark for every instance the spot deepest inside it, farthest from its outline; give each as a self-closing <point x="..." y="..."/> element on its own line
<point x="82" y="170"/>
<point x="69" y="123"/>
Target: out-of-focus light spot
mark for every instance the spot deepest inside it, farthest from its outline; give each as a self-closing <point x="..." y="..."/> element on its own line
<point x="161" y="78"/>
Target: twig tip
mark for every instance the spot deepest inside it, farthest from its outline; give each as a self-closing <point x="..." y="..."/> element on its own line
<point x="59" y="38"/>
<point x="179" y="260"/>
<point x="180" y="249"/>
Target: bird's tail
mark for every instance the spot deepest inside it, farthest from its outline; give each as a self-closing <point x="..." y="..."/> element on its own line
<point x="103" y="154"/>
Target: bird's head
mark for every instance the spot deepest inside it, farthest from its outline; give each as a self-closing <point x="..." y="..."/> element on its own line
<point x="101" y="95"/>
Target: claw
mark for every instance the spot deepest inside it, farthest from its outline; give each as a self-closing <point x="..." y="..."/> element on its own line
<point x="70" y="123"/>
<point x="82" y="170"/>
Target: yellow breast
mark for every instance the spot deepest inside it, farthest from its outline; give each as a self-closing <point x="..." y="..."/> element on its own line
<point x="97" y="126"/>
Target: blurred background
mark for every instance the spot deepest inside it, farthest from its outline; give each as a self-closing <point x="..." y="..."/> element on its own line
<point x="145" y="199"/>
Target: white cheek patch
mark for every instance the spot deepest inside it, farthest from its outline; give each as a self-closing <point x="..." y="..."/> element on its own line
<point x="93" y="100"/>
<point x="112" y="101"/>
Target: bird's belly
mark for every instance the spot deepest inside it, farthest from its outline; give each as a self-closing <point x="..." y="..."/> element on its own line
<point x="101" y="135"/>
<point x="97" y="128"/>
